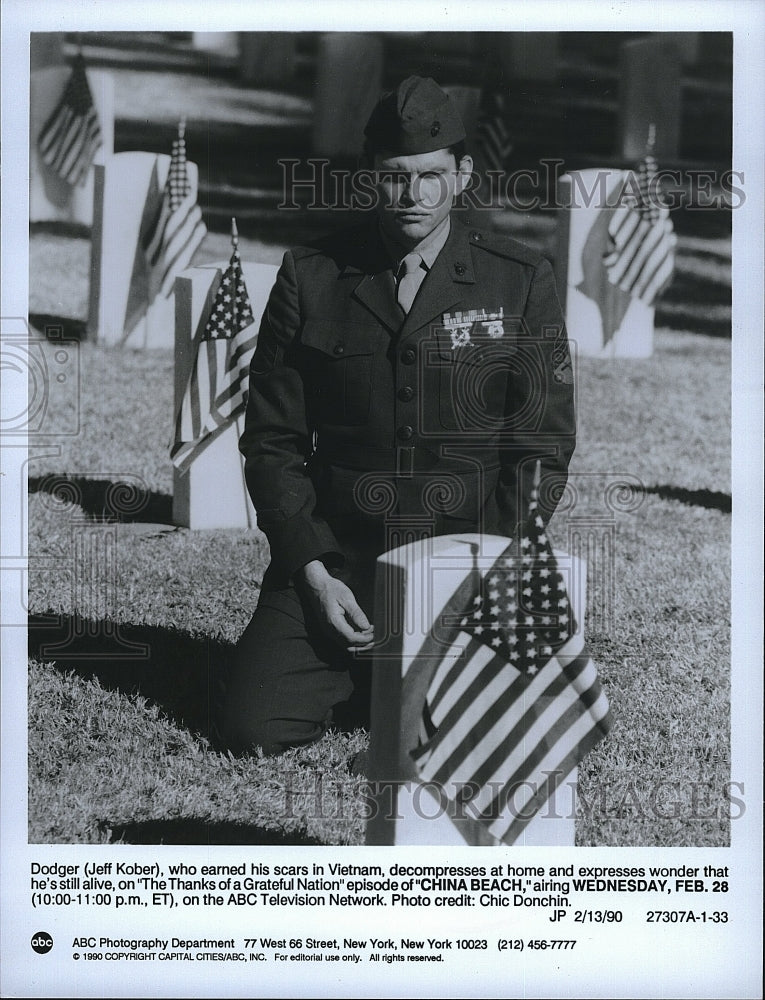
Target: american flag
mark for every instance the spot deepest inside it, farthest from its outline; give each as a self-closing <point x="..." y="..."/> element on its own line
<point x="506" y="722"/>
<point x="178" y="228"/>
<point x="642" y="257"/>
<point x="494" y="142"/>
<point x="71" y="136"/>
<point x="217" y="388"/>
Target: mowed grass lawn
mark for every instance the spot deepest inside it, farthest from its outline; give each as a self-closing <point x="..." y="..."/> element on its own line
<point x="144" y="615"/>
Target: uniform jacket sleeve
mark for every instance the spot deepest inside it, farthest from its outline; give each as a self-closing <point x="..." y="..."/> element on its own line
<point x="277" y="440"/>
<point x="546" y="430"/>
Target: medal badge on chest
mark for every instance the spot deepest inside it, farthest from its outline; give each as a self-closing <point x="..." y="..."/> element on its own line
<point x="460" y="337"/>
<point x="462" y="325"/>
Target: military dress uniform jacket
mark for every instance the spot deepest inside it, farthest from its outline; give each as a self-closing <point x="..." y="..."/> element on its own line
<point x="365" y="423"/>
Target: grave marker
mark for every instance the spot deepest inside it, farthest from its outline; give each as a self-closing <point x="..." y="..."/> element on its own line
<point x="144" y="233"/>
<point x="412" y="589"/>
<point x="602" y="320"/>
<point x="212" y="493"/>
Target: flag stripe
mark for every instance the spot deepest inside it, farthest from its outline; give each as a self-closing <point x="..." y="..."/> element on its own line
<point x="462" y="675"/>
<point x="573" y="745"/>
<point x="177" y="230"/>
<point x="460" y="755"/>
<point x="217" y="389"/>
<point x="532" y="690"/>
<point x="660" y="278"/>
<point x="636" y="261"/>
<point x="524" y="769"/>
<point x="54" y="144"/>
<point x="230" y="399"/>
<point x="523" y="699"/>
<point x="551" y="769"/>
<point x="156" y="236"/>
<point x="562" y="712"/>
<point x="205" y="385"/>
<point x="183" y="242"/>
<point x="183" y="234"/>
<point x="638" y="251"/>
<point x="656" y="252"/>
<point x="521" y="771"/>
<point x="216" y="361"/>
<point x="641" y="261"/>
<point x="472" y="680"/>
<point x="52" y="133"/>
<point x="72" y="149"/>
<point x="71" y="136"/>
<point x="506" y="718"/>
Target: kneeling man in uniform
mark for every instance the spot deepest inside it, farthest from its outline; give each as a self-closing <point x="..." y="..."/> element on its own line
<point x="409" y="374"/>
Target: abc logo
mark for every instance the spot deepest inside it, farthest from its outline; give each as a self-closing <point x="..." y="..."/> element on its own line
<point x="42" y="942"/>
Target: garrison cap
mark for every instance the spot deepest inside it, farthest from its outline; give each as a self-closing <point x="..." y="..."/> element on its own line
<point x="416" y="117"/>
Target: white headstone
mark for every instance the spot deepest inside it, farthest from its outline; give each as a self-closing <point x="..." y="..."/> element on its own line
<point x="412" y="583"/>
<point x="602" y="320"/>
<point x="51" y="198"/>
<point x="212" y="492"/>
<point x="122" y="187"/>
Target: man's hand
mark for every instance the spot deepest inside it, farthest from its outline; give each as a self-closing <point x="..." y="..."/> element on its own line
<point x="335" y="606"/>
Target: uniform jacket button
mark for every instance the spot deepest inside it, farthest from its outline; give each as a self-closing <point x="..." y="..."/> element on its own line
<point x="339" y="349"/>
<point x="404" y="433"/>
<point x="408" y="356"/>
<point x="405" y="393"/>
<point x="459" y="268"/>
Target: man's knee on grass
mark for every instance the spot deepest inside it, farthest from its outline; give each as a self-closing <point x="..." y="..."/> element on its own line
<point x="243" y="735"/>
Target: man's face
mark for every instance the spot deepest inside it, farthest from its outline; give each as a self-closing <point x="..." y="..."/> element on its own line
<point x="415" y="193"/>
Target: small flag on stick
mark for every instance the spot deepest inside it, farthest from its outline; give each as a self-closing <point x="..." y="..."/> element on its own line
<point x="641" y="260"/>
<point x="217" y="388"/>
<point x="504" y="724"/>
<point x="178" y="228"/>
<point x="71" y="137"/>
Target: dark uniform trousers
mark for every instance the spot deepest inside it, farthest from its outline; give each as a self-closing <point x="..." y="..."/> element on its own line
<point x="366" y="428"/>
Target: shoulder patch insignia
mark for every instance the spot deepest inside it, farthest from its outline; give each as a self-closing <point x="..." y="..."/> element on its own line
<point x="563" y="372"/>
